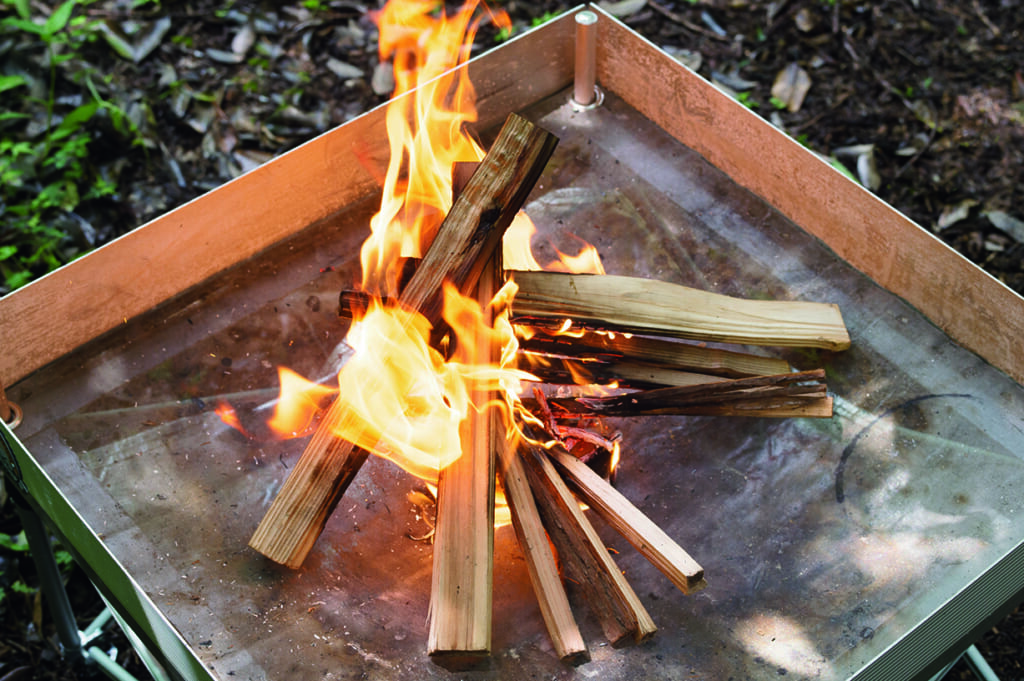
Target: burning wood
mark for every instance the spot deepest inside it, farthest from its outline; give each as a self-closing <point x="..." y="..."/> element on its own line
<point x="463" y="259"/>
<point x="652" y="352"/>
<point x="699" y="380"/>
<point x="468" y="236"/>
<point x="807" y="387"/>
<point x="460" y="598"/>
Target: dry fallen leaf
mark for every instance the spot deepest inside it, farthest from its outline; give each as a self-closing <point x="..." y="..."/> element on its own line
<point x="791" y="86"/>
<point x="623" y="8"/>
<point x="243" y="40"/>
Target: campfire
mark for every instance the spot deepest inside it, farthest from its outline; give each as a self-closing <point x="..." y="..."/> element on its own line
<point x="474" y="367"/>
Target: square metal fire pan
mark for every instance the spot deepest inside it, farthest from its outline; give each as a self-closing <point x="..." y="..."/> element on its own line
<point x="869" y="546"/>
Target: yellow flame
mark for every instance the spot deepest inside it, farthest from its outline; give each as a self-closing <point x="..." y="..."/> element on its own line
<point x="426" y="130"/>
<point x="517" y="251"/>
<point x="398" y="396"/>
<point x="297" y="405"/>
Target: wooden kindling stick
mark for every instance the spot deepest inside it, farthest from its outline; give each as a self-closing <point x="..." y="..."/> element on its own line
<point x="540" y="561"/>
<point x="566" y="370"/>
<point x="658" y="308"/>
<point x="622" y="616"/>
<point x="794" y="386"/>
<point x="470" y="233"/>
<point x="793" y="394"/>
<point x="655" y="352"/>
<point x="460" y="597"/>
<point x="639" y="530"/>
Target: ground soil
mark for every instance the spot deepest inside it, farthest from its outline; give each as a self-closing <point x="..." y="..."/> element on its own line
<point x="928" y="94"/>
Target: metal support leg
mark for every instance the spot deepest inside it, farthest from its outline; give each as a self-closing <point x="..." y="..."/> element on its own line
<point x="152" y="665"/>
<point x="50" y="581"/>
<point x="975" y="661"/>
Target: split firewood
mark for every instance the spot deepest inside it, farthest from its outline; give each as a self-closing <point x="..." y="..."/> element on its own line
<point x="602" y="358"/>
<point x="822" y="407"/>
<point x="465" y="241"/>
<point x="657" y="308"/>
<point x="806" y="385"/>
<point x="647" y="351"/>
<point x="794" y="394"/>
<point x="540" y="561"/>
<point x="571" y="371"/>
<point x="639" y="530"/>
<point x="623" y="617"/>
<point x="459" y="634"/>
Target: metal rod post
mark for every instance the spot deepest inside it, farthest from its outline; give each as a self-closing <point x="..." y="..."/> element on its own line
<point x="50" y="581"/>
<point x="147" y="658"/>
<point x="584" y="93"/>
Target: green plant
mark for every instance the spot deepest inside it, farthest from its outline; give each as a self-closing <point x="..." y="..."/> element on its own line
<point x="544" y="18"/>
<point x="44" y="177"/>
<point x="778" y="103"/>
<point x="747" y="100"/>
<point x="19" y="544"/>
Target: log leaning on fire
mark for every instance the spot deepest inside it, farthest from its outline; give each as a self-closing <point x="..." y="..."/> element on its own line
<point x="658" y="308"/>
<point x="466" y="239"/>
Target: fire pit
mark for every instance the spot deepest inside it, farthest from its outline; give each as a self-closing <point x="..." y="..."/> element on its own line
<point x="833" y="547"/>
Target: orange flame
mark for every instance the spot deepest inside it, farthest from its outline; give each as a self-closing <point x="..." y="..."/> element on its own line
<point x="426" y="130"/>
<point x="298" y="404"/>
<point x="517" y="251"/>
<point x="400" y="397"/>
<point x="230" y="418"/>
